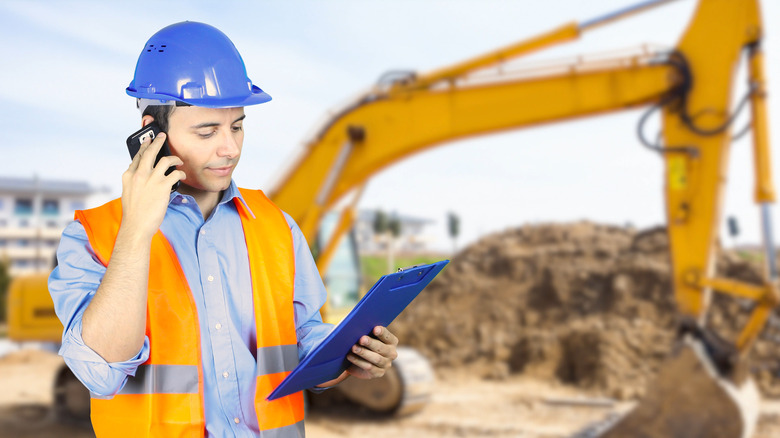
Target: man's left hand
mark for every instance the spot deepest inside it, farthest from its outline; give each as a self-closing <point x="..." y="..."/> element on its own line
<point x="372" y="356"/>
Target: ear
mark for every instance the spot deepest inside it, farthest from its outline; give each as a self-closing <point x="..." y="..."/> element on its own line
<point x="147" y="119"/>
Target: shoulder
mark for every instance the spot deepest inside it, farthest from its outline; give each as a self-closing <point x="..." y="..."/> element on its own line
<point x="110" y="211"/>
<point x="290" y="222"/>
<point x="254" y="197"/>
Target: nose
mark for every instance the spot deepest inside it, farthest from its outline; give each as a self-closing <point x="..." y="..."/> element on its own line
<point x="229" y="146"/>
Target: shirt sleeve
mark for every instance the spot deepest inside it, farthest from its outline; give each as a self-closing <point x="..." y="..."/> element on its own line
<point x="310" y="295"/>
<point x="72" y="285"/>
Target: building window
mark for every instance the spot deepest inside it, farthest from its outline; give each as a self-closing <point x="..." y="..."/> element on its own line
<point x="52" y="224"/>
<point x="51" y="207"/>
<point x="23" y="207"/>
<point x="77" y="205"/>
<point x="21" y="263"/>
<point x="23" y="242"/>
<point x="24" y="223"/>
<point x="2" y="204"/>
<point x="3" y="243"/>
<point x="52" y="243"/>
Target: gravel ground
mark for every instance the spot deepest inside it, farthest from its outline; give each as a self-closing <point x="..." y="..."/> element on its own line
<point x="463" y="405"/>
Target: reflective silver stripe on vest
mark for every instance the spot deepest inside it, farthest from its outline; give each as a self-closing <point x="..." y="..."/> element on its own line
<point x="292" y="431"/>
<point x="276" y="359"/>
<point x="160" y="379"/>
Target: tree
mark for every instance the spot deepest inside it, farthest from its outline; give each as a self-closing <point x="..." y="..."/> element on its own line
<point x="453" y="226"/>
<point x="394" y="226"/>
<point x="380" y="223"/>
<point x="381" y="227"/>
<point x="5" y="279"/>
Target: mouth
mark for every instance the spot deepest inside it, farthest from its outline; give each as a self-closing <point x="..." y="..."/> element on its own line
<point x="220" y="171"/>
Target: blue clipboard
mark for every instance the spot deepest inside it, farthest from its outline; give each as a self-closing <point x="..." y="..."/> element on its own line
<point x="380" y="306"/>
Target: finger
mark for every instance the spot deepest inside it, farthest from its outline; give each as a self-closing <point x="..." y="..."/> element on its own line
<point x="137" y="157"/>
<point x="165" y="162"/>
<point x="384" y="335"/>
<point x="150" y="152"/>
<point x="378" y="346"/>
<point x="372" y="357"/>
<point x="365" y="366"/>
<point x="176" y="175"/>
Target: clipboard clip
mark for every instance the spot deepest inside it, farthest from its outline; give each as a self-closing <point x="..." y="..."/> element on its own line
<point x="407" y="268"/>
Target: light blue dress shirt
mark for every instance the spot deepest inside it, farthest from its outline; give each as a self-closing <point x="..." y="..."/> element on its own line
<point x="213" y="255"/>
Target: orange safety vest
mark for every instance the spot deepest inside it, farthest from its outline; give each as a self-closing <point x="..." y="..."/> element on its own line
<point x="165" y="398"/>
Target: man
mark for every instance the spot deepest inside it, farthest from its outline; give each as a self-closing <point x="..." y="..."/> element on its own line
<point x="184" y="309"/>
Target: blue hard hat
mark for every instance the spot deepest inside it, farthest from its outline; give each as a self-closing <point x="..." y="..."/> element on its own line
<point x="196" y="64"/>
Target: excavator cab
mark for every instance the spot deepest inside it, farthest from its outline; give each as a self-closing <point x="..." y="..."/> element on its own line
<point x="407" y="386"/>
<point x="343" y="277"/>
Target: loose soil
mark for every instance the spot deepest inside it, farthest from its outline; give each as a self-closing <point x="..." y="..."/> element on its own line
<point x="582" y="304"/>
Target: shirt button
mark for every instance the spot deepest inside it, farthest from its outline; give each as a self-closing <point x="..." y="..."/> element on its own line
<point x="225" y="374"/>
<point x="184" y="200"/>
<point x="236" y="420"/>
<point x="218" y="326"/>
<point x="202" y="232"/>
<point x="211" y="278"/>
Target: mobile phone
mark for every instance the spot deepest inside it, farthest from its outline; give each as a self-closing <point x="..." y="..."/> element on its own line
<point x="150" y="132"/>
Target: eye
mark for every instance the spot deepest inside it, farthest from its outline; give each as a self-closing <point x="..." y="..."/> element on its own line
<point x="237" y="128"/>
<point x="205" y="134"/>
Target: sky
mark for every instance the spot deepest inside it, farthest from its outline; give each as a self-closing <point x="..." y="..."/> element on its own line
<point x="65" y="113"/>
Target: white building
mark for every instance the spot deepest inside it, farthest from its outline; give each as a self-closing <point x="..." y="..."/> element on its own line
<point x="415" y="235"/>
<point x="33" y="213"/>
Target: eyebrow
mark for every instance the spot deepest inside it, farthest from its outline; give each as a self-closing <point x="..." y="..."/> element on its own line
<point x="211" y="124"/>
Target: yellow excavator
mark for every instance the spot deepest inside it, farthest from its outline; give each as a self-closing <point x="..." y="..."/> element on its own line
<point x="703" y="390"/>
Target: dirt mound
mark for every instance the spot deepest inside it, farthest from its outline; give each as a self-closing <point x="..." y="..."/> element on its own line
<point x="583" y="303"/>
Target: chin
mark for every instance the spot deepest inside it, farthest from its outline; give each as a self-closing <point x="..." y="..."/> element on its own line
<point x="208" y="186"/>
<point x="224" y="182"/>
<point x="215" y="188"/>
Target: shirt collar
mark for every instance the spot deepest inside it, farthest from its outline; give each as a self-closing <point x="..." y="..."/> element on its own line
<point x="233" y="192"/>
<point x="228" y="195"/>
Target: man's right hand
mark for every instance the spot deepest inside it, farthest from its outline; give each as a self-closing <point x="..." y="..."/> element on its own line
<point x="146" y="189"/>
<point x="114" y="322"/>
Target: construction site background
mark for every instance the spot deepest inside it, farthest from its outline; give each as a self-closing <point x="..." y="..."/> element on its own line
<point x="538" y="331"/>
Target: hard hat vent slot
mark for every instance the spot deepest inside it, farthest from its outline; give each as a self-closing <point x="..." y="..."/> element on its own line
<point x="161" y="49"/>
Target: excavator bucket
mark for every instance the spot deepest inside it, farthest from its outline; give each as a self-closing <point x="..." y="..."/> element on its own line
<point x="701" y="391"/>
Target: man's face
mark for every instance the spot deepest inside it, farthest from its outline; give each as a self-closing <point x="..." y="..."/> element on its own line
<point x="209" y="141"/>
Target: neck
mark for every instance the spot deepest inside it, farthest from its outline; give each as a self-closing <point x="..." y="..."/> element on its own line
<point x="206" y="200"/>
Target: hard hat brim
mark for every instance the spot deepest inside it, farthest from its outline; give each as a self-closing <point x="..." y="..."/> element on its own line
<point x="257" y="96"/>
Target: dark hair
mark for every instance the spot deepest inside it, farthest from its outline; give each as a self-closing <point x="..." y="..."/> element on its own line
<point x="161" y="113"/>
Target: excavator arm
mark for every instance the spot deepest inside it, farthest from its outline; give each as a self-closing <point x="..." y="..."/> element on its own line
<point x="698" y="121"/>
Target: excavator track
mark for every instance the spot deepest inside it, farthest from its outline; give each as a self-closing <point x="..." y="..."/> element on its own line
<point x="71" y="399"/>
<point x="405" y="389"/>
